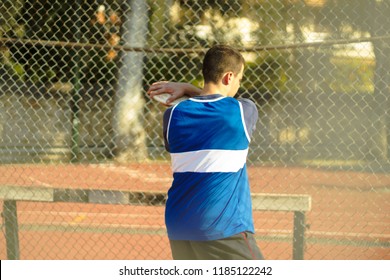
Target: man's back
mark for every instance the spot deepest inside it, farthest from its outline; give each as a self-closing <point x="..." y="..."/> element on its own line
<point x="208" y="138"/>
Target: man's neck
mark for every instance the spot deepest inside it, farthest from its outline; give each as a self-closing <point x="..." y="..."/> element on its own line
<point x="213" y="89"/>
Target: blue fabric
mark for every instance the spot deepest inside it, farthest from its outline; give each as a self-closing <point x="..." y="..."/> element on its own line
<point x="208" y="205"/>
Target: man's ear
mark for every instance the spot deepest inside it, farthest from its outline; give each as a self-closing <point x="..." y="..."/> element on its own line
<point x="227" y="78"/>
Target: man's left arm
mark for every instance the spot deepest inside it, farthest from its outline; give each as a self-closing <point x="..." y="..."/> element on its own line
<point x="251" y="114"/>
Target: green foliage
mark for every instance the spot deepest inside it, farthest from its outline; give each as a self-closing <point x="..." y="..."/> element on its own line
<point x="353" y="75"/>
<point x="172" y="68"/>
<point x="10" y="67"/>
<point x="9" y="27"/>
<point x="60" y="22"/>
<point x="270" y="73"/>
<point x="268" y="76"/>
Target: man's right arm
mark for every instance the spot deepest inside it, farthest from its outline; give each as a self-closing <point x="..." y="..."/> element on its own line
<point x="176" y="90"/>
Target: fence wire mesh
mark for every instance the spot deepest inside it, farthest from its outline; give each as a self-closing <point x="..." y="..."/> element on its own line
<point x="81" y="148"/>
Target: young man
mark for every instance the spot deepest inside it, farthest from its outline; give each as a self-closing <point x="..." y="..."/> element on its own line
<point x="209" y="211"/>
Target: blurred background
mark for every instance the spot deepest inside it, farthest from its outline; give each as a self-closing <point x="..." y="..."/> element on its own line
<point x="74" y="113"/>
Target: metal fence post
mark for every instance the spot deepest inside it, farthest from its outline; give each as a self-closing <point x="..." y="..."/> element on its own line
<point x="299" y="235"/>
<point x="11" y="229"/>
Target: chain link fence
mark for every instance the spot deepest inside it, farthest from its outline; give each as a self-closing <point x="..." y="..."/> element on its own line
<point x="75" y="119"/>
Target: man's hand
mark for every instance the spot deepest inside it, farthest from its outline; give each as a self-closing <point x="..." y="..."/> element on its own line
<point x="176" y="90"/>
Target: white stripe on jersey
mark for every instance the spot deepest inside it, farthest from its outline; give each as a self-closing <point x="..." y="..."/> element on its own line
<point x="209" y="161"/>
<point x="207" y="99"/>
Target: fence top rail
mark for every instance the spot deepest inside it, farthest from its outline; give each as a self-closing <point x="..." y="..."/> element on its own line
<point x="67" y="44"/>
<point x="261" y="201"/>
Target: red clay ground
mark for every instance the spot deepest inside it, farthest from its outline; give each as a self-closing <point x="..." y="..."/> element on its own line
<point x="349" y="217"/>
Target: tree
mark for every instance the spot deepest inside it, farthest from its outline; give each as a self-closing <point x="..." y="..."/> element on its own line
<point x="343" y="19"/>
<point x="379" y="25"/>
<point x="9" y="27"/>
<point x="128" y="126"/>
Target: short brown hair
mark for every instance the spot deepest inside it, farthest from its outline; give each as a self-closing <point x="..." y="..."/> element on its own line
<point x="221" y="59"/>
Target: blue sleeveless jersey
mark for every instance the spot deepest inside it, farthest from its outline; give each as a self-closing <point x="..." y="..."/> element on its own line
<point x="210" y="197"/>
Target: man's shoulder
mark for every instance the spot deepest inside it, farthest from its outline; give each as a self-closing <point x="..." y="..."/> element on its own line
<point x="246" y="101"/>
<point x="247" y="104"/>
